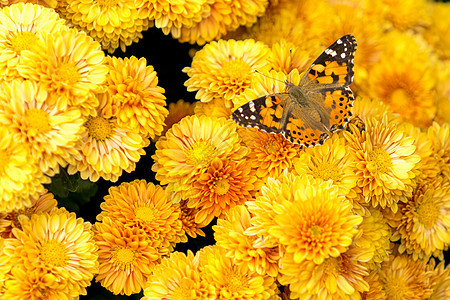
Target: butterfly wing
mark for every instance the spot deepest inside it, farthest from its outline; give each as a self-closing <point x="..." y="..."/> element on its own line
<point x="334" y="67"/>
<point x="265" y="113"/>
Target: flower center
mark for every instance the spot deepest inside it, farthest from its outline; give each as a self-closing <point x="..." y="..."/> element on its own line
<point x="123" y="257"/>
<point x="316" y="230"/>
<point x="395" y="289"/>
<point x="236" y="282"/>
<point x="400" y="99"/>
<point x="380" y="159"/>
<point x="68" y="73"/>
<point x="326" y="171"/>
<point x="222" y="187"/>
<point x="428" y="214"/>
<point x="99" y="128"/>
<point x="200" y="154"/>
<point x="331" y="266"/>
<point x="53" y="253"/>
<point x="145" y="214"/>
<point x="236" y="69"/>
<point x="38" y="121"/>
<point x="24" y="41"/>
<point x="182" y="293"/>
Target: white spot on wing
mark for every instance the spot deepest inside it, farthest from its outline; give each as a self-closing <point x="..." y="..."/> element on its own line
<point x="343" y="55"/>
<point x="339" y="41"/>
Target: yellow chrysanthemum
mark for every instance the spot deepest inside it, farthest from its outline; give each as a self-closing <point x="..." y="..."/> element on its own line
<point x="375" y="234"/>
<point x="440" y="280"/>
<point x="404" y="278"/>
<point x="178" y="111"/>
<point x="410" y="83"/>
<point x="224" y="69"/>
<point x="269" y="154"/>
<point x="71" y="66"/>
<point x="330" y="161"/>
<point x="51" y="133"/>
<point x="136" y="99"/>
<point x="24" y="27"/>
<point x="410" y="14"/>
<point x="106" y="148"/>
<point x="425" y="226"/>
<point x="384" y="163"/>
<point x="44" y="203"/>
<point x="214" y="108"/>
<point x="233" y="281"/>
<point x="171" y="16"/>
<point x="20" y="175"/>
<point x="113" y="24"/>
<point x="313" y="221"/>
<point x="340" y="277"/>
<point x="229" y="234"/>
<point x="178" y="277"/>
<point x="222" y="186"/>
<point x="223" y="16"/>
<point x="145" y="205"/>
<point x="56" y="251"/>
<point x="187" y="218"/>
<point x="188" y="149"/>
<point x="126" y="257"/>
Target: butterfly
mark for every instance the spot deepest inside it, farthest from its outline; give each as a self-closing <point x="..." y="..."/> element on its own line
<point x="319" y="105"/>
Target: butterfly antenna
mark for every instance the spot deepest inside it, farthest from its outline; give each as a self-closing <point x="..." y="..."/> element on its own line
<point x="291" y="65"/>
<point x="276" y="79"/>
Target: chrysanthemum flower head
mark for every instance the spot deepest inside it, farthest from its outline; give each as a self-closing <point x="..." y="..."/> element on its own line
<point x="113" y="24"/>
<point x="50" y="246"/>
<point x="286" y="57"/>
<point x="224" y="69"/>
<point x="340" y="277"/>
<point x="126" y="257"/>
<point x="232" y="281"/>
<point x="229" y="234"/>
<point x="136" y="99"/>
<point x="44" y="203"/>
<point x="221" y="17"/>
<point x="410" y="83"/>
<point x="440" y="280"/>
<point x="330" y="161"/>
<point x="435" y="34"/>
<point x="439" y="135"/>
<point x="178" y="277"/>
<point x="404" y="278"/>
<point x="145" y="205"/>
<point x="409" y="15"/>
<point x="223" y="185"/>
<point x="385" y="163"/>
<point x="71" y="66"/>
<point x="106" y="148"/>
<point x="424" y="228"/>
<point x="23" y="27"/>
<point x="315" y="223"/>
<point x="51" y="133"/>
<point x="188" y="149"/>
<point x="20" y="175"/>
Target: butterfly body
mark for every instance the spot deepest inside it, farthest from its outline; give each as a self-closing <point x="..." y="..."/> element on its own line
<point x="309" y="112"/>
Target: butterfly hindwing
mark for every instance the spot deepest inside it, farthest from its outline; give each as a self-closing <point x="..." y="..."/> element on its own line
<point x="335" y="65"/>
<point x="264" y="113"/>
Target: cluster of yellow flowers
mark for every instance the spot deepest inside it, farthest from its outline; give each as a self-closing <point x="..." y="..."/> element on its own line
<point x="365" y="215"/>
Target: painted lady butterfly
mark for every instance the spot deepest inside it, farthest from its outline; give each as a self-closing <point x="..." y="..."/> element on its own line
<point x="308" y="113"/>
